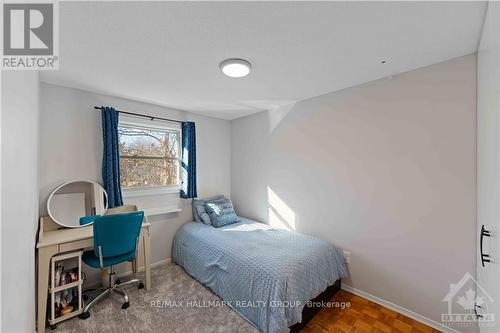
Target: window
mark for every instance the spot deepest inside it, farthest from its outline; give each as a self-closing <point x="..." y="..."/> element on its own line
<point x="149" y="156"/>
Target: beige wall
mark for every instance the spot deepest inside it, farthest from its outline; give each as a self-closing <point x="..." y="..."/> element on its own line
<point x="19" y="204"/>
<point x="386" y="170"/>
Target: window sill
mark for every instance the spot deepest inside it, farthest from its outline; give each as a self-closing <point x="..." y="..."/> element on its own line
<point x="149" y="191"/>
<point x="161" y="210"/>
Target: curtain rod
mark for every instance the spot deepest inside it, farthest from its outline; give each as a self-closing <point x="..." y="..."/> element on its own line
<point x="144" y="116"/>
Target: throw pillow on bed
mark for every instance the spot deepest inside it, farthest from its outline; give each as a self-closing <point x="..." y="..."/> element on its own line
<point x="201" y="202"/>
<point x="202" y="213"/>
<point x="221" y="212"/>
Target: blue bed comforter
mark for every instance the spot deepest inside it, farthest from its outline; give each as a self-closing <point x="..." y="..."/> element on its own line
<point x="265" y="274"/>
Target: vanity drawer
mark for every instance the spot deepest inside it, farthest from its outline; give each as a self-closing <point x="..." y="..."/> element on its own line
<point x="81" y="244"/>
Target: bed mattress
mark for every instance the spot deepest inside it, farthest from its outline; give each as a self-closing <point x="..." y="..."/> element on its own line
<point x="265" y="274"/>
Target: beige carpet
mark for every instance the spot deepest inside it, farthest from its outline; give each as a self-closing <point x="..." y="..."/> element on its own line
<point x="195" y="309"/>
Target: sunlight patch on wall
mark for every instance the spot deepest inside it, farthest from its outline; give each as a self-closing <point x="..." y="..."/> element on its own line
<point x="280" y="215"/>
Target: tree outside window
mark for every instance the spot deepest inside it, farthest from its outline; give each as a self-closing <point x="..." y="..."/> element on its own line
<point x="148" y="156"/>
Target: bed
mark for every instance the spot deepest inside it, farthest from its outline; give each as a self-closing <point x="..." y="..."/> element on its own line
<point x="267" y="275"/>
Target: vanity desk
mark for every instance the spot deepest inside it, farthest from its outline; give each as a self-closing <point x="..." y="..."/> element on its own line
<point x="53" y="239"/>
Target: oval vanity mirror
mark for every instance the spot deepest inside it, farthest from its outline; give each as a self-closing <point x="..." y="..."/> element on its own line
<point x="77" y="203"/>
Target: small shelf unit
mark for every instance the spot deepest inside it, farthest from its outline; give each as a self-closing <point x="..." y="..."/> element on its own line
<point x="66" y="286"/>
<point x="53" y="289"/>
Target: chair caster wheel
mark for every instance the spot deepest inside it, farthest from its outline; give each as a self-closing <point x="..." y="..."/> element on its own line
<point x="140" y="286"/>
<point x="84" y="315"/>
<point x="53" y="327"/>
<point x="125" y="305"/>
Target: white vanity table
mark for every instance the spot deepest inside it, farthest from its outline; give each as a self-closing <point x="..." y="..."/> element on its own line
<point x="54" y="239"/>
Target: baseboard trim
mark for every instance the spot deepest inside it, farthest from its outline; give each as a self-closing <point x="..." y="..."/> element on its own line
<point x="141" y="269"/>
<point x="404" y="311"/>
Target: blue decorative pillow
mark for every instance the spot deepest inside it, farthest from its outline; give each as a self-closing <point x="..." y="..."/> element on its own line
<point x="201" y="202"/>
<point x="221" y="212"/>
<point x="202" y="212"/>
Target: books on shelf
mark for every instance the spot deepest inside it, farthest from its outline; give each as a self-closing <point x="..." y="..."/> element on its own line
<point x="63" y="277"/>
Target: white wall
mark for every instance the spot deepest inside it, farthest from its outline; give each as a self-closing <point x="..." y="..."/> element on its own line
<point x="19" y="178"/>
<point x="71" y="147"/>
<point x="488" y="153"/>
<point x="386" y="170"/>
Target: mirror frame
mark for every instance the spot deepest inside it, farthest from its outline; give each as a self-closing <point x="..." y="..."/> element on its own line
<point x="69" y="182"/>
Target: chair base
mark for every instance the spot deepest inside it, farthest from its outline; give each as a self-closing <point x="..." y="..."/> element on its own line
<point x="108" y="290"/>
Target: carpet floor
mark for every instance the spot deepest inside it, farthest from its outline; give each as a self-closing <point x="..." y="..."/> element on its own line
<point x="181" y="305"/>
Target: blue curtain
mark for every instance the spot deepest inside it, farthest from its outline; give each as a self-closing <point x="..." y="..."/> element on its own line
<point x="188" y="164"/>
<point x="111" y="157"/>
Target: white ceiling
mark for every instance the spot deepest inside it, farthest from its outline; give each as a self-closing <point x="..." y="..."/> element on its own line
<point x="167" y="53"/>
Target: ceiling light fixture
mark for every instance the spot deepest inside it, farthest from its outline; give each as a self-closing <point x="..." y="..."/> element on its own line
<point x="235" y="67"/>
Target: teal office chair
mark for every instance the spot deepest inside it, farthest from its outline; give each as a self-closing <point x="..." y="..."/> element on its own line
<point x="88" y="219"/>
<point x="115" y="241"/>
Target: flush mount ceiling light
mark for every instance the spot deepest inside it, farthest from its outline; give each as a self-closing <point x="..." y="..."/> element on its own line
<point x="235" y="67"/>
